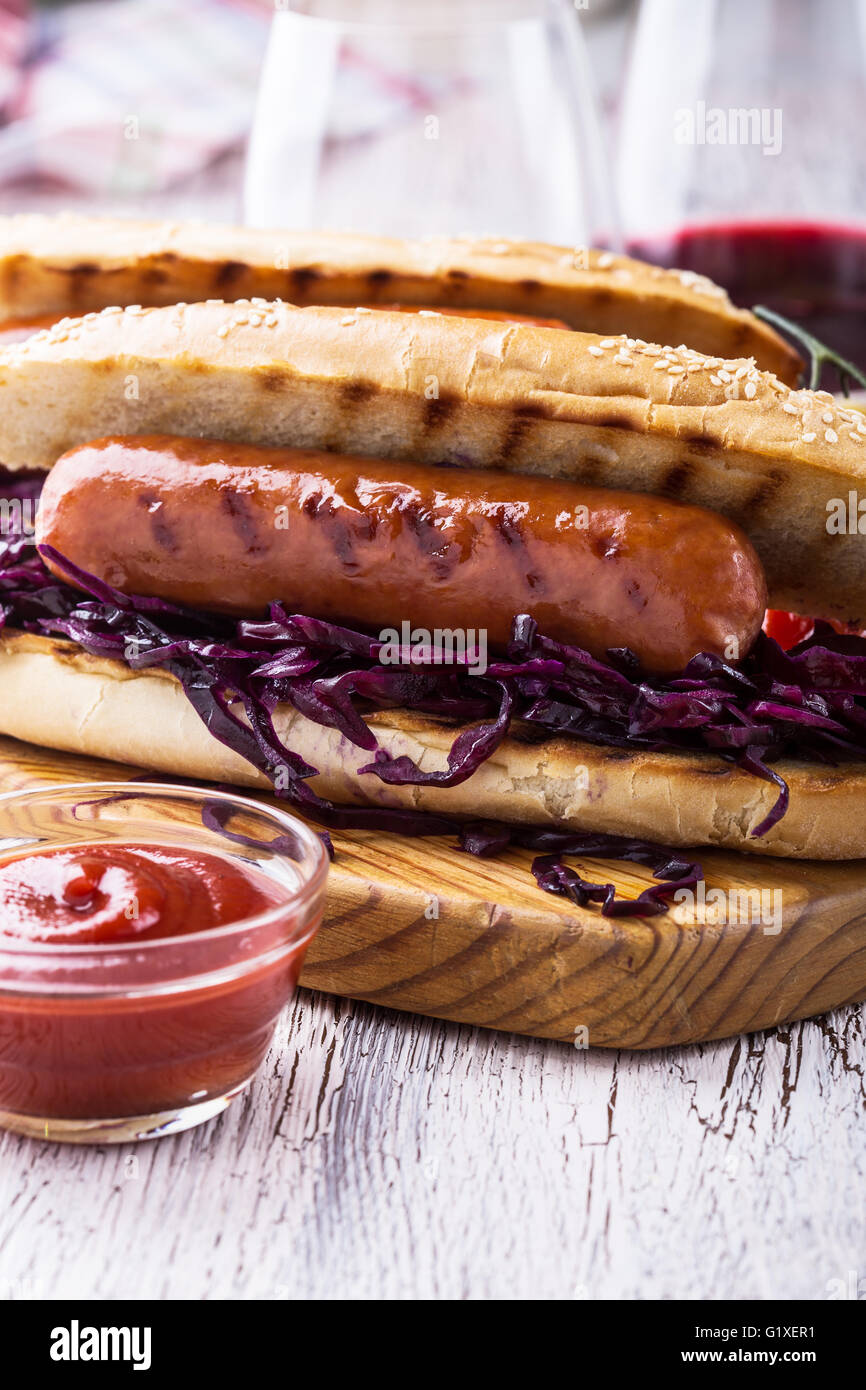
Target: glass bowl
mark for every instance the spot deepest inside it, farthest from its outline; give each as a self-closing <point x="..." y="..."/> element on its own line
<point x="118" y="1041"/>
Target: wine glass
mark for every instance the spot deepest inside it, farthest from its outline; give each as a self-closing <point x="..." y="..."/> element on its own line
<point x="456" y="117"/>
<point x="741" y="154"/>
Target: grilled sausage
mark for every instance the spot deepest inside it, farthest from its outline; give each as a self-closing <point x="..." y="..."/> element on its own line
<point x="230" y="528"/>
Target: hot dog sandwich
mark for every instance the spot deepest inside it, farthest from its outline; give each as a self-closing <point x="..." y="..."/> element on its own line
<point x="253" y="509"/>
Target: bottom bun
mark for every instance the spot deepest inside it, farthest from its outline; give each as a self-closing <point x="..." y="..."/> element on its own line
<point x="52" y="693"/>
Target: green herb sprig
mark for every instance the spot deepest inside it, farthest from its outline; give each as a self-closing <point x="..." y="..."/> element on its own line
<point x="821" y="356"/>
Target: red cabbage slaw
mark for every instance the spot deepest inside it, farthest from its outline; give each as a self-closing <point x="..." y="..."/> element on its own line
<point x="810" y="702"/>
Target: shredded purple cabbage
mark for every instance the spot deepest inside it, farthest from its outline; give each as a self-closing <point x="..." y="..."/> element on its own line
<point x="809" y="702"/>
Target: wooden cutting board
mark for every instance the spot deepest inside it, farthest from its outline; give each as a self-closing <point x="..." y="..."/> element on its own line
<point x="416" y="925"/>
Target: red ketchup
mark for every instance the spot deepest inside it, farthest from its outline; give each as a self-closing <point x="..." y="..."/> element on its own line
<point x="186" y="1018"/>
<point x="110" y="893"/>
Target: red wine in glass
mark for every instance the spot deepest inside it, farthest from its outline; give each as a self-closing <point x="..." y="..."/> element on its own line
<point x="812" y="273"/>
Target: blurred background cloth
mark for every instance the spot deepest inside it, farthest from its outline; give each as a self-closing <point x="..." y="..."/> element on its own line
<point x="144" y="106"/>
<point x="118" y="97"/>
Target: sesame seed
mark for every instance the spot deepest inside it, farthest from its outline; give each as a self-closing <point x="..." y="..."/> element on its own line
<point x="623" y="359"/>
<point x="608" y="342"/>
<point x="716" y="380"/>
<point x="831" y="436"/>
<point x="346" y="322"/>
<point x="659" y="366"/>
<point x="596" y="351"/>
<point x="809" y="437"/>
<point x="750" y="389"/>
<point x="725" y="375"/>
<point x="605" y="261"/>
<point x="791" y="409"/>
<point x="827" y="417"/>
<point x="675" y="371"/>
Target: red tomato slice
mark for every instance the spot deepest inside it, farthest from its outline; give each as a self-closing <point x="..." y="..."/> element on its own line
<point x="786" y="628"/>
<point x="789" y="628"/>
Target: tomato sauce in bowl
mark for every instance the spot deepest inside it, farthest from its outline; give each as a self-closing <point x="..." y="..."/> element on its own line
<point x="141" y="980"/>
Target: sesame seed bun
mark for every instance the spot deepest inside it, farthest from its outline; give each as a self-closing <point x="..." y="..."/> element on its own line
<point x="608" y="410"/>
<point x="70" y="265"/>
<point x="103" y="709"/>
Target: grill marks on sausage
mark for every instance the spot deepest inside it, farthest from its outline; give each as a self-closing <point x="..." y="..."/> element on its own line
<point x="163" y="533"/>
<point x="243" y="518"/>
<point x="347" y="527"/>
<point x="351" y="523"/>
<point x="607" y="547"/>
<point x="442" y="553"/>
<point x="507" y="522"/>
<point x="635" y="594"/>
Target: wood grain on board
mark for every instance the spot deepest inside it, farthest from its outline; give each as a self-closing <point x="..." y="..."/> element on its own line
<point x="417" y="925"/>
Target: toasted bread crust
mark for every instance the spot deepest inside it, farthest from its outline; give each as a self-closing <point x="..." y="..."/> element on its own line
<point x="101" y="708"/>
<point x="613" y="412"/>
<point x="70" y="264"/>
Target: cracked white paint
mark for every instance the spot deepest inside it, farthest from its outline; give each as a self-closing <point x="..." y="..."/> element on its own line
<point x="386" y="1156"/>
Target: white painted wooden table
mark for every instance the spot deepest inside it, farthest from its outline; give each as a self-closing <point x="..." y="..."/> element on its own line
<point x="381" y="1155"/>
